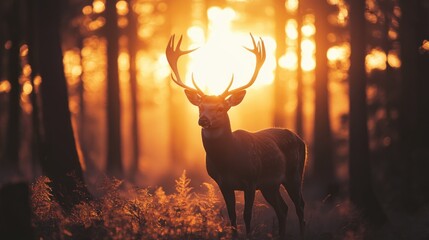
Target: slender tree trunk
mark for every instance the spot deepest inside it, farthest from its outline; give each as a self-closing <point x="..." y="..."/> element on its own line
<point x="32" y="38"/>
<point x="13" y="134"/>
<point x="414" y="129"/>
<point x="361" y="188"/>
<point x="61" y="163"/>
<point x="299" y="79"/>
<point x="114" y="154"/>
<point x="279" y="83"/>
<point x="322" y="146"/>
<point x="132" y="49"/>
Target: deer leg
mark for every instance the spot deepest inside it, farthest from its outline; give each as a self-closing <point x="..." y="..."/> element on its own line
<point x="273" y="197"/>
<point x="249" y="197"/>
<point x="229" y="197"/>
<point x="295" y="193"/>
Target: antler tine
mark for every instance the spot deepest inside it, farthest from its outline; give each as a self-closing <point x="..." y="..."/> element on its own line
<point x="260" y="54"/>
<point x="196" y="86"/>
<point x="173" y="53"/>
<point x="225" y="93"/>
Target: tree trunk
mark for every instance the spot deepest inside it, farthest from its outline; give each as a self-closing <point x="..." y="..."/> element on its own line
<point x="414" y="129"/>
<point x="114" y="154"/>
<point x="132" y="50"/>
<point x="279" y="82"/>
<point x="13" y="134"/>
<point x="322" y="146"/>
<point x="61" y="163"/>
<point x="299" y="80"/>
<point x="361" y="190"/>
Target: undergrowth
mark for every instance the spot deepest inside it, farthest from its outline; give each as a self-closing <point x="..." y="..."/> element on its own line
<point x="129" y="212"/>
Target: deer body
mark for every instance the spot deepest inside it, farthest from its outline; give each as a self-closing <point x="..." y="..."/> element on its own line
<point x="242" y="160"/>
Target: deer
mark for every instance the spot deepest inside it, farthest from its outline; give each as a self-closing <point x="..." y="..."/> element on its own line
<point x="241" y="160"/>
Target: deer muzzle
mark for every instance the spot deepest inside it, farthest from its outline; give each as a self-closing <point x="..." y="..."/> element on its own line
<point x="204" y="122"/>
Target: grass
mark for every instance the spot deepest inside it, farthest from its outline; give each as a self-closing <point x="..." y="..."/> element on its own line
<point x="124" y="211"/>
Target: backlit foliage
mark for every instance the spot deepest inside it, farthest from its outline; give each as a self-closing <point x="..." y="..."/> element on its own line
<point x="128" y="212"/>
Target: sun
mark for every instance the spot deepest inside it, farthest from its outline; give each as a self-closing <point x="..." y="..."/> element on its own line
<point x="222" y="55"/>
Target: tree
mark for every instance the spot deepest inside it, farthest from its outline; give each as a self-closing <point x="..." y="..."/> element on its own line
<point x="61" y="162"/>
<point x="413" y="118"/>
<point x="279" y="82"/>
<point x="322" y="146"/>
<point x="114" y="154"/>
<point x="132" y="51"/>
<point x="299" y="79"/>
<point x="14" y="73"/>
<point x="361" y="191"/>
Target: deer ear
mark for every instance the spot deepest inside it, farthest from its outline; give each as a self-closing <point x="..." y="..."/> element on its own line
<point x="193" y="97"/>
<point x="236" y="98"/>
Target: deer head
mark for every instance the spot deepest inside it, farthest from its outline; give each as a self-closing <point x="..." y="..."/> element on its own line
<point x="213" y="110"/>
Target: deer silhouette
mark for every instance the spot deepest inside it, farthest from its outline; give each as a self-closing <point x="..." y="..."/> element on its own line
<point x="242" y="160"/>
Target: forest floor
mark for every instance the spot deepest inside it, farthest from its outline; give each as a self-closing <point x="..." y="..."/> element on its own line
<point x="123" y="211"/>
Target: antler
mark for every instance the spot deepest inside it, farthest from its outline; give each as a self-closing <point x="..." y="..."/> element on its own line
<point x="173" y="53"/>
<point x="259" y="51"/>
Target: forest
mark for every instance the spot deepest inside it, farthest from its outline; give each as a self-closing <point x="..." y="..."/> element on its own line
<point x="97" y="141"/>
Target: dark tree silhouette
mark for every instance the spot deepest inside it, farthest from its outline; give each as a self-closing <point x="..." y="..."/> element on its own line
<point x="324" y="169"/>
<point x="299" y="89"/>
<point x="361" y="190"/>
<point x="132" y="51"/>
<point x="61" y="162"/>
<point x="414" y="112"/>
<point x="31" y="35"/>
<point x="114" y="153"/>
<point x="14" y="72"/>
<point x="279" y="82"/>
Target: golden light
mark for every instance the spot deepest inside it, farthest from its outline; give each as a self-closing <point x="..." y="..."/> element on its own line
<point x="27" y="88"/>
<point x="308" y="30"/>
<point x="196" y="34"/>
<point x="122" y="22"/>
<point x="337" y="53"/>
<point x="72" y="66"/>
<point x="122" y="8"/>
<point x="308" y="46"/>
<point x="393" y="60"/>
<point x="23" y="50"/>
<point x="97" y="23"/>
<point x="26" y="70"/>
<point x="87" y="10"/>
<point x="37" y="81"/>
<point x="291" y="5"/>
<point x="291" y="31"/>
<point x="98" y="6"/>
<point x="376" y="59"/>
<point x="425" y="45"/>
<point x="308" y="63"/>
<point x="289" y="61"/>
<point x="222" y="56"/>
<point x="4" y="86"/>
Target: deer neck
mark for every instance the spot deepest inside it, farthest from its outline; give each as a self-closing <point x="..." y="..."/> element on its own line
<point x="218" y="140"/>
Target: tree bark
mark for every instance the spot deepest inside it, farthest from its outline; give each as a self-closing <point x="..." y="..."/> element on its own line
<point x="114" y="154"/>
<point x="413" y="118"/>
<point x="61" y="162"/>
<point x="279" y="82"/>
<point x="361" y="188"/>
<point x="132" y="50"/>
<point x="13" y="134"/>
<point x="322" y="146"/>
